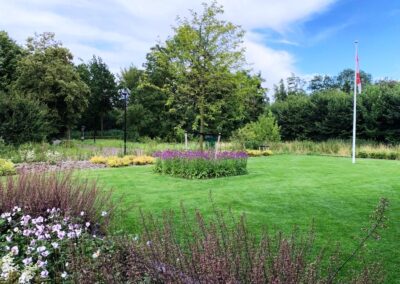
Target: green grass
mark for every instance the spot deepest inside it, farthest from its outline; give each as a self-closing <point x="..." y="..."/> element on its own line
<point x="280" y="192"/>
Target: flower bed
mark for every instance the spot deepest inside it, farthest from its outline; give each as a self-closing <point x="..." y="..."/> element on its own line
<point x="114" y="161"/>
<point x="35" y="248"/>
<point x="201" y="165"/>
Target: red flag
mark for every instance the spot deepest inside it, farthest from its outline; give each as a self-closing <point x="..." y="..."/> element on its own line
<point x="358" y="78"/>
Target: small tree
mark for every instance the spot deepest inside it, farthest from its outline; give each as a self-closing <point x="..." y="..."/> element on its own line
<point x="22" y="120"/>
<point x="255" y="134"/>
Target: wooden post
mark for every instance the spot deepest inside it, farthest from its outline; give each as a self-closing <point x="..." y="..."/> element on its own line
<point x="219" y="142"/>
<point x="186" y="140"/>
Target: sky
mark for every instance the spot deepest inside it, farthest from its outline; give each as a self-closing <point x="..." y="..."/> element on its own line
<point x="305" y="37"/>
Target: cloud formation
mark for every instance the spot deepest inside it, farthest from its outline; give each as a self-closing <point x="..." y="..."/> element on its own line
<point x="122" y="31"/>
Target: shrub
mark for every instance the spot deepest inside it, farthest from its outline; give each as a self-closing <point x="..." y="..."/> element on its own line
<point x="258" y="153"/>
<point x="255" y="134"/>
<point x="201" y="165"/>
<point x="143" y="160"/>
<point x="35" y="249"/>
<point x="53" y="157"/>
<point x="36" y="192"/>
<point x="98" y="160"/>
<point x="6" y="168"/>
<point x="23" y="119"/>
<point x="114" y="161"/>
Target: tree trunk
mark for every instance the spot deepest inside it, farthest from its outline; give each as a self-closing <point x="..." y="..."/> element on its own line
<point x="201" y="106"/>
<point x="69" y="135"/>
<point x="101" y="124"/>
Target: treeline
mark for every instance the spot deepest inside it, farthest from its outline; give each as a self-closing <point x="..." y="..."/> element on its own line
<point x="195" y="81"/>
<point x="326" y="111"/>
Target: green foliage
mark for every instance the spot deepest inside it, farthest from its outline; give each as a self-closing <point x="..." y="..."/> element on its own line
<point x="201" y="168"/>
<point x="103" y="92"/>
<point x="293" y="117"/>
<point x="255" y="134"/>
<point x="6" y="168"/>
<point x="328" y="115"/>
<point x="10" y="53"/>
<point x="22" y="119"/>
<point x="198" y="74"/>
<point x="48" y="75"/>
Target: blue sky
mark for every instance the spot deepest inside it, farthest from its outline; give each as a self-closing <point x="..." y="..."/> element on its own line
<point x="324" y="44"/>
<point x="305" y="37"/>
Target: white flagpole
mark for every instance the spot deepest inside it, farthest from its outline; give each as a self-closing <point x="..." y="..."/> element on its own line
<point x="355" y="105"/>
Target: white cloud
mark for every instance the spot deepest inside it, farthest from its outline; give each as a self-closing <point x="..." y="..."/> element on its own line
<point x="122" y="31"/>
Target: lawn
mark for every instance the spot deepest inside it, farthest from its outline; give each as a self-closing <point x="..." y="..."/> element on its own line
<point x="280" y="191"/>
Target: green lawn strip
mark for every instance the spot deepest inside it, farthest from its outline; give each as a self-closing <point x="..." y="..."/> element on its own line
<point x="279" y="192"/>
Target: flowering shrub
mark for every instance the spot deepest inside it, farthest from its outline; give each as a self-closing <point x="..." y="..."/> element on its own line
<point x="201" y="165"/>
<point x="258" y="153"/>
<point x="6" y="168"/>
<point x="53" y="156"/>
<point x="114" y="161"/>
<point x="27" y="155"/>
<point x="35" y="249"/>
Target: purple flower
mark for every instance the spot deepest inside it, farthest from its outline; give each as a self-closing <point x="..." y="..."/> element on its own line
<point x="44" y="274"/>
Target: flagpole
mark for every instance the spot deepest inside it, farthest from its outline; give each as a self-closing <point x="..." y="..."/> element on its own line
<point x="355" y="106"/>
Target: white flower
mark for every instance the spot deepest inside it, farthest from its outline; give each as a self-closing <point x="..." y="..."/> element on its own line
<point x="41" y="263"/>
<point x="44" y="274"/>
<point x="87" y="224"/>
<point x="41" y="249"/>
<point x="71" y="235"/>
<point x="15" y="250"/>
<point x="82" y="213"/>
<point x="96" y="254"/>
<point x="5" y="215"/>
<point x="16" y="230"/>
<point x="55" y="245"/>
<point x="45" y="253"/>
<point x="104" y="213"/>
<point x="7" y="266"/>
<point x="148" y="243"/>
<point x="64" y="275"/>
<point x="27" y="261"/>
<point x="61" y="235"/>
<point x="16" y="209"/>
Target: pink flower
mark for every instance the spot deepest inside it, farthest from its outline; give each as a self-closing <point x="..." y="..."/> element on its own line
<point x="15" y="250"/>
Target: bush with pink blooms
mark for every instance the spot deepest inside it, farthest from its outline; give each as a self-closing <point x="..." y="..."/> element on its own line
<point x="35" y="249"/>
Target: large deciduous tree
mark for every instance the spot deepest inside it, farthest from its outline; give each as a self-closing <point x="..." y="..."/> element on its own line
<point x="201" y="60"/>
<point x="48" y="75"/>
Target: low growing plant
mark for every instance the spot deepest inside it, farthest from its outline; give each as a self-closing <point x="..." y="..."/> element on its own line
<point x="258" y="153"/>
<point x="114" y="161"/>
<point x="6" y="168"/>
